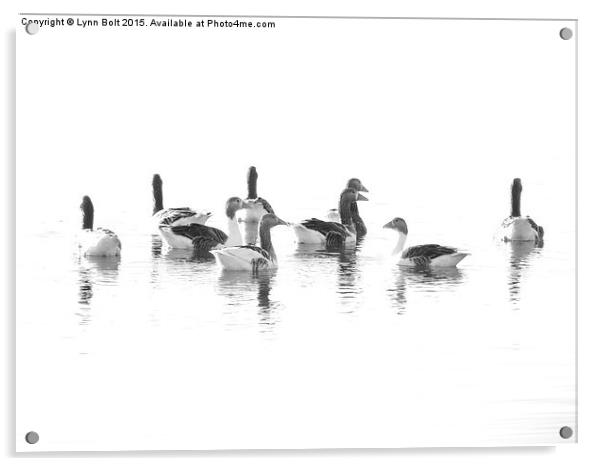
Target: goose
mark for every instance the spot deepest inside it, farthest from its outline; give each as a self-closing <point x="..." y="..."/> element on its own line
<point x="334" y="216"/>
<point x="99" y="241"/>
<point x="432" y="255"/>
<point x="332" y="234"/>
<point x="517" y="227"/>
<point x="194" y="236"/>
<point x="258" y="206"/>
<point x="173" y="216"/>
<point x="252" y="258"/>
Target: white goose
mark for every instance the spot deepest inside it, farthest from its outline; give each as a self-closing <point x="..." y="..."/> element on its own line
<point x="252" y="258"/>
<point x="334" y="216"/>
<point x="517" y="227"/>
<point x="331" y="234"/>
<point x="99" y="241"/>
<point x="173" y="216"/>
<point x="183" y="236"/>
<point x="432" y="255"/>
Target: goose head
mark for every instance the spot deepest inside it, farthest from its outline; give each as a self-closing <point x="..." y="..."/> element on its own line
<point x="252" y="182"/>
<point x="517" y="185"/>
<point x="517" y="189"/>
<point x="252" y="174"/>
<point x="356" y="184"/>
<point x="157" y="181"/>
<point x="233" y="205"/>
<point x="157" y="193"/>
<point x="271" y="221"/>
<point x="349" y="195"/>
<point x="204" y="215"/>
<point x="87" y="209"/>
<point x="398" y="224"/>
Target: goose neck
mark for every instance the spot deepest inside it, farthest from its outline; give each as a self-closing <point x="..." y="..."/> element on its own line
<point x="345" y="212"/>
<point x="265" y="240"/>
<point x="252" y="185"/>
<point x="88" y="216"/>
<point x="355" y="212"/>
<point x="157" y="195"/>
<point x="401" y="241"/>
<point x="516" y="194"/>
<point x="234" y="236"/>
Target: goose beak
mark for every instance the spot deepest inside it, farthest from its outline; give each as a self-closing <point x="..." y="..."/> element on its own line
<point x="361" y="197"/>
<point x="363" y="189"/>
<point x="208" y="214"/>
<point x="246" y="205"/>
<point x="282" y="222"/>
<point x="388" y="225"/>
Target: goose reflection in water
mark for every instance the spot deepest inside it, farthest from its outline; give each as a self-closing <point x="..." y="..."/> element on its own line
<point x="398" y="290"/>
<point x="93" y="271"/>
<point x="349" y="278"/>
<point x="521" y="254"/>
<point x="178" y="255"/>
<point x="266" y="305"/>
<point x="156" y="246"/>
<point x="433" y="279"/>
<point x="423" y="279"/>
<point x="347" y="270"/>
<point x="156" y="250"/>
<point x="86" y="291"/>
<point x="235" y="285"/>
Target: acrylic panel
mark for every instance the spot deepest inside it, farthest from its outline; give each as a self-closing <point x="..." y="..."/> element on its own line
<point x="147" y="337"/>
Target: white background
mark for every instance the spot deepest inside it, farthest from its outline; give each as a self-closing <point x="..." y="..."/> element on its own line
<point x="588" y="384"/>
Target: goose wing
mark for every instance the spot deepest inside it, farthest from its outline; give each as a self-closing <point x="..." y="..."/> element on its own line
<point x="427" y="252"/>
<point x="536" y="227"/>
<point x="326" y="228"/>
<point x="202" y="236"/>
<point x="172" y="215"/>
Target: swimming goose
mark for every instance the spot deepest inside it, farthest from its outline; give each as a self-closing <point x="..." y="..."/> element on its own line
<point x="183" y="236"/>
<point x="517" y="227"/>
<point x="99" y="241"/>
<point x="258" y="206"/>
<point x="173" y="216"/>
<point x="432" y="255"/>
<point x="252" y="258"/>
<point x="332" y="234"/>
<point x="360" y="226"/>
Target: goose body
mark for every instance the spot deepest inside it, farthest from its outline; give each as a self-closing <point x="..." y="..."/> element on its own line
<point x="518" y="227"/>
<point x="174" y="216"/>
<point x="252" y="258"/>
<point x="426" y="255"/>
<point x="333" y="215"/>
<point x="203" y="238"/>
<point x="96" y="242"/>
<point x="331" y="234"/>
